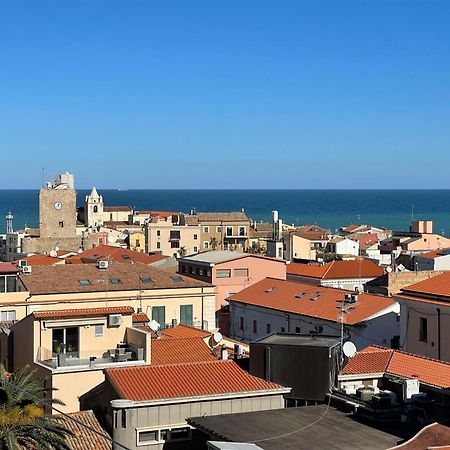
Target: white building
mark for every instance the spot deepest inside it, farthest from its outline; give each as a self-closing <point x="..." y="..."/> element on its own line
<point x="437" y="260"/>
<point x="274" y="305"/>
<point x="343" y="246"/>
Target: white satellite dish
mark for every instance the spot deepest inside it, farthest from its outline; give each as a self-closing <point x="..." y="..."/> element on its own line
<point x="349" y="349"/>
<point x="154" y="326"/>
<point x="53" y="253"/>
<point x="389" y="269"/>
<point x="217" y="337"/>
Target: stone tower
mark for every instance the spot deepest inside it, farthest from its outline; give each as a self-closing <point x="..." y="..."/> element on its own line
<point x="93" y="209"/>
<point x="58" y="209"/>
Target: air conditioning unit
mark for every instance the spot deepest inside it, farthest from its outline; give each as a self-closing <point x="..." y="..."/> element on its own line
<point x="410" y="388"/>
<point x="102" y="264"/>
<point x="115" y="320"/>
<point x="26" y="269"/>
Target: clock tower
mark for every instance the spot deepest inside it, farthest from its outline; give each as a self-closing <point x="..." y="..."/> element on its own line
<point x="57" y="208"/>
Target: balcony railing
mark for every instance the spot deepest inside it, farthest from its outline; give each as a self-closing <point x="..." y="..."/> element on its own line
<point x="122" y="354"/>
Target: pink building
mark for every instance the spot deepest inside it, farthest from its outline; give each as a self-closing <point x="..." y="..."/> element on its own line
<point x="230" y="272"/>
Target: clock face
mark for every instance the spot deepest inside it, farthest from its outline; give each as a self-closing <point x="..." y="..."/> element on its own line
<point x="58" y="205"/>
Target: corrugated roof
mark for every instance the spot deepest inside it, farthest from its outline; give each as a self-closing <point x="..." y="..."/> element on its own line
<point x="181" y="350"/>
<point x="142" y="383"/>
<point x="294" y="297"/>
<point x="395" y="362"/>
<point x="82" y="312"/>
<point x="65" y="278"/>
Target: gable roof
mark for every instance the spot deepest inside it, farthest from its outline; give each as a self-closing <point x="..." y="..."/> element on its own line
<point x="438" y="286"/>
<point x="287" y="296"/>
<point x="41" y="260"/>
<point x="84" y="438"/>
<point x="141" y="383"/>
<point x="375" y="359"/>
<point x="359" y="268"/>
<point x="181" y="350"/>
<point x="232" y="216"/>
<point x="65" y="278"/>
<point x="111" y="253"/>
<point x="8" y="267"/>
<point x="82" y="312"/>
<point x="117" y="208"/>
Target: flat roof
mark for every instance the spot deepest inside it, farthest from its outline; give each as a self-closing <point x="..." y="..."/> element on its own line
<point x="307" y="427"/>
<point x="215" y="256"/>
<point x="300" y="339"/>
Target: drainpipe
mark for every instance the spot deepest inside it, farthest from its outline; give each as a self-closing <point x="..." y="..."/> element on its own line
<point x="439" y="331"/>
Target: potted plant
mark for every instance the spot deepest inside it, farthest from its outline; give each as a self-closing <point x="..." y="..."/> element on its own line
<point x="60" y="355"/>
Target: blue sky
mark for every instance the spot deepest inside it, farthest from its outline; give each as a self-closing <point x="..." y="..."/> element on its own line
<point x="226" y="94"/>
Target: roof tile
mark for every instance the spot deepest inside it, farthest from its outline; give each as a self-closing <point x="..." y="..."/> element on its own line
<point x="82" y="312"/>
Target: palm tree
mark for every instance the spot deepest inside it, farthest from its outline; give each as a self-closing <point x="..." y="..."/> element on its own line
<point x="182" y="252"/>
<point x="23" y="422"/>
<point x="213" y="243"/>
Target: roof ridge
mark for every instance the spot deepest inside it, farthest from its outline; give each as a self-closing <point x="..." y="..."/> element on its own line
<point x="328" y="269"/>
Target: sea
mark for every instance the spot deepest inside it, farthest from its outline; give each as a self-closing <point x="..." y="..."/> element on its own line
<point x="392" y="209"/>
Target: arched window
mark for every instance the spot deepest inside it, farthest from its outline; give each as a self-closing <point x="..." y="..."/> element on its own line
<point x="95" y="208"/>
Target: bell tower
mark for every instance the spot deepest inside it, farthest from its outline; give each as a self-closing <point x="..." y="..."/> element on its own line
<point x="93" y="209"/>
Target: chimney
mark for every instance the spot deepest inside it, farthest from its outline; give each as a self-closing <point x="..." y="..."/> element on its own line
<point x="224" y="352"/>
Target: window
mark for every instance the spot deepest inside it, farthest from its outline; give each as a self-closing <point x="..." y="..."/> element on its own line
<point x="195" y="237"/>
<point x="206" y="244"/>
<point x="178" y="434"/>
<point x="297" y="329"/>
<point x="255" y="326"/>
<point x="268" y="328"/>
<point x="229" y="231"/>
<point x="219" y="229"/>
<point x="242" y="231"/>
<point x="158" y="245"/>
<point x="84" y="282"/>
<point x="95" y="209"/>
<point x="61" y="224"/>
<point x="195" y="249"/>
<point x="115" y="281"/>
<point x="206" y="229"/>
<point x="175" y="244"/>
<point x="148" y="436"/>
<point x="223" y="273"/>
<point x="8" y="316"/>
<point x="283" y="329"/>
<point x="99" y="329"/>
<point x="124" y="418"/>
<point x="423" y="329"/>
<point x="158" y="233"/>
<point x="137" y="244"/>
<point x="186" y="315"/>
<point x="65" y="340"/>
<point x="241" y="273"/>
<point x="175" y="234"/>
<point x="146" y="280"/>
<point x="241" y="323"/>
<point x="159" y="314"/>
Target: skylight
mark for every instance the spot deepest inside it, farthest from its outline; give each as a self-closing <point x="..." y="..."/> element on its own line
<point x="300" y="295"/>
<point x="115" y="281"/>
<point x="84" y="282"/>
<point x="177" y="278"/>
<point x="146" y="280"/>
<point x="125" y="257"/>
<point x="270" y="290"/>
<point x="316" y="297"/>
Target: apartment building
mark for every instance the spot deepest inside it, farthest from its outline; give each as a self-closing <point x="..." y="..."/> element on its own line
<point x="222" y="230"/>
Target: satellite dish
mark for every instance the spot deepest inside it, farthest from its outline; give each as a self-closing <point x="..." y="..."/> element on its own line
<point x="53" y="253"/>
<point x="217" y="337"/>
<point x="349" y="349"/>
<point x="155" y="326"/>
<point x="389" y="269"/>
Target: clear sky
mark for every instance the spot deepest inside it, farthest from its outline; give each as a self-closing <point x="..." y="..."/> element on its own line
<point x="226" y="94"/>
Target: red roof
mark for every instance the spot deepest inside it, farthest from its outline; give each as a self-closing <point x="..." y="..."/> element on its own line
<point x="141" y="383"/>
<point x="84" y="312"/>
<point x="140" y="317"/>
<point x="41" y="260"/>
<point x="309" y="300"/>
<point x="398" y="363"/>
<point x="184" y="331"/>
<point x="178" y="351"/>
<point x="116" y="254"/>
<point x="439" y="286"/>
<point x="8" y="267"/>
<point x="163" y="214"/>
<point x="433" y="436"/>
<point x="359" y="268"/>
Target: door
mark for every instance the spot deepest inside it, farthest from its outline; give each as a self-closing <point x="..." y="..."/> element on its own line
<point x="65" y="340"/>
<point x="186" y="315"/>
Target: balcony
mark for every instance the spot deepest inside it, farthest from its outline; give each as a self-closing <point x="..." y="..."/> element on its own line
<point x="124" y="354"/>
<point x="174" y="236"/>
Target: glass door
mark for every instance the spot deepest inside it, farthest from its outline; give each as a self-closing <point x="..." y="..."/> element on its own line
<point x="186" y="315"/>
<point x="72" y="342"/>
<point x="65" y="340"/>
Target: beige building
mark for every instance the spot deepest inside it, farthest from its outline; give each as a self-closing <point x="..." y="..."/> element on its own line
<point x="170" y="235"/>
<point x="298" y="248"/>
<point x="72" y="347"/>
<point x="162" y="295"/>
<point x="222" y="230"/>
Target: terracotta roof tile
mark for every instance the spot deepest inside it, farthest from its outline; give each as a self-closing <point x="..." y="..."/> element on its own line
<point x="178" y="351"/>
<point x="402" y="364"/>
<point x="117" y="208"/>
<point x="184" y="331"/>
<point x="359" y="268"/>
<point x="288" y="296"/>
<point x="162" y="214"/>
<point x="8" y="267"/>
<point x="439" y="286"/>
<point x="433" y="436"/>
<point x="83" y="438"/>
<point x="82" y="312"/>
<point x="140" y="317"/>
<point x="65" y="278"/>
<point x="40" y="260"/>
<point x="233" y="216"/>
<point x="142" y="383"/>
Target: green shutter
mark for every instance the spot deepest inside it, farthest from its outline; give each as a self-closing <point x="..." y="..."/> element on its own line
<point x="159" y="314"/>
<point x="186" y="315"/>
